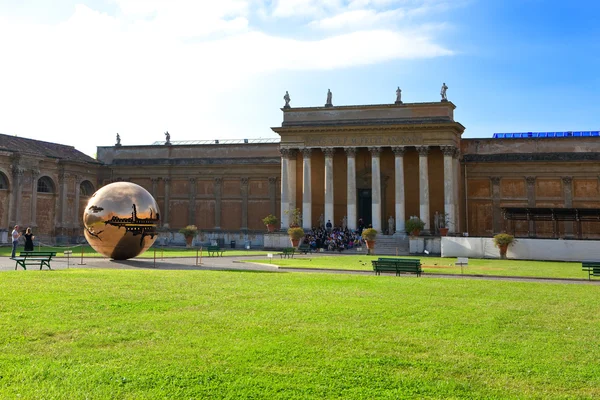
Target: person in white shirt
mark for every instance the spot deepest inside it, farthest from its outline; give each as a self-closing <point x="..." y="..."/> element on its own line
<point x="15" y="240"/>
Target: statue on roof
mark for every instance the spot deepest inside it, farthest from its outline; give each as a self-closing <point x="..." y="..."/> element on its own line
<point x="443" y="92"/>
<point x="168" y="136"/>
<point x="118" y="140"/>
<point x="328" y="103"/>
<point x="398" y="95"/>
<point x="287" y="99"/>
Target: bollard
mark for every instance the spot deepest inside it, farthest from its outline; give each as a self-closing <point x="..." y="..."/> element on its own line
<point x="81" y="263"/>
<point x="154" y="258"/>
<point x="196" y="256"/>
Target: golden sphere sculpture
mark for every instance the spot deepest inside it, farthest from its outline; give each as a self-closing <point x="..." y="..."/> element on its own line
<point x="121" y="220"/>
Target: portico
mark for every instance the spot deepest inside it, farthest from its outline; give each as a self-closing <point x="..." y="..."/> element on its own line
<point x="371" y="162"/>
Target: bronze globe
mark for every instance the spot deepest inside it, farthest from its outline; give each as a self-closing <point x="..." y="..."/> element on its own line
<point x="121" y="220"/>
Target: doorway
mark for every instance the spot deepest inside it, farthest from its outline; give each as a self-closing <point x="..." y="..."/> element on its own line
<point x="365" y="206"/>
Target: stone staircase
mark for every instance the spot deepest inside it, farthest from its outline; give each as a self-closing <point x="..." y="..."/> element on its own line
<point x="388" y="245"/>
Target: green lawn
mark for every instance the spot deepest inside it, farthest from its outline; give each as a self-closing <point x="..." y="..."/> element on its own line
<point x="88" y="251"/>
<point x="547" y="269"/>
<point x="155" y="334"/>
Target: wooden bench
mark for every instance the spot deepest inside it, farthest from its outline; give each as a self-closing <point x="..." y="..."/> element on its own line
<point x="287" y="252"/>
<point x="592" y="267"/>
<point x="214" y="251"/>
<point x="40" y="258"/>
<point x="304" y="248"/>
<point x="397" y="265"/>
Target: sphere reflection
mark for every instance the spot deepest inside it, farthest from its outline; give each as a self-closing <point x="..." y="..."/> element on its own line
<point x="120" y="220"/>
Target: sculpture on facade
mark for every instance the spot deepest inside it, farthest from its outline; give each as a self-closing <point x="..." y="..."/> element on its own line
<point x="391" y="229"/>
<point x="321" y="221"/>
<point x="329" y="103"/>
<point x="168" y="137"/>
<point x="287" y="99"/>
<point x="344" y="222"/>
<point x="443" y="92"/>
<point x="398" y="96"/>
<point x="121" y="220"/>
<point x="118" y="140"/>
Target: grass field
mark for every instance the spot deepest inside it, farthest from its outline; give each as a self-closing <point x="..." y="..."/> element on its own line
<point x="88" y="251"/>
<point x="547" y="269"/>
<point x="152" y="334"/>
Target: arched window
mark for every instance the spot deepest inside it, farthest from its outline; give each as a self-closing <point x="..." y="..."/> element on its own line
<point x="3" y="182"/>
<point x="86" y="188"/>
<point x="45" y="185"/>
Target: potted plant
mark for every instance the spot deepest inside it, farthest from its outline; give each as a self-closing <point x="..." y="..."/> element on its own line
<point x="295" y="217"/>
<point x="369" y="236"/>
<point x="296" y="233"/>
<point x="444" y="222"/>
<point x="271" y="222"/>
<point x="414" y="226"/>
<point x="189" y="232"/>
<point x="502" y="241"/>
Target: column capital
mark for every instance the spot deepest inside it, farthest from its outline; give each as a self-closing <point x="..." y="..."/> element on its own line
<point x="456" y="152"/>
<point x="530" y="180"/>
<point x="244" y="180"/>
<point x="272" y="180"/>
<point x="328" y="151"/>
<point x="375" y="151"/>
<point x="495" y="180"/>
<point x="154" y="180"/>
<point x="284" y="152"/>
<point x="192" y="180"/>
<point x="567" y="179"/>
<point x="423" y="150"/>
<point x="399" y="151"/>
<point x="350" y="151"/>
<point x="292" y="153"/>
<point x="448" y="151"/>
<point x="167" y="180"/>
<point x="218" y="181"/>
<point x="17" y="171"/>
<point x="306" y="152"/>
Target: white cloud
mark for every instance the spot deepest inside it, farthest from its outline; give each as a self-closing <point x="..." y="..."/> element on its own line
<point x="156" y="64"/>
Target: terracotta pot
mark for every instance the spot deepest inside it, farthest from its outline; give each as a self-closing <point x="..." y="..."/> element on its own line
<point x="503" y="248"/>
<point x="295" y="242"/>
<point x="189" y="240"/>
<point x="443" y="231"/>
<point x="370" y="246"/>
<point x="271" y="227"/>
<point x="416" y="232"/>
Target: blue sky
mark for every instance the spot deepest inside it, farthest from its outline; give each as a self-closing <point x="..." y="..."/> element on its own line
<point x="78" y="72"/>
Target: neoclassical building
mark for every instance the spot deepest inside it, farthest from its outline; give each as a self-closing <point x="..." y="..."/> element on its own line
<point x="368" y="162"/>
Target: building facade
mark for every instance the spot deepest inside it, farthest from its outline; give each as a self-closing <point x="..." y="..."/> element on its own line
<point x="343" y="164"/>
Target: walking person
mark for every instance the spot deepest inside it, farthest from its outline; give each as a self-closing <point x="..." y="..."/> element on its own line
<point x="15" y="240"/>
<point x="28" y="240"/>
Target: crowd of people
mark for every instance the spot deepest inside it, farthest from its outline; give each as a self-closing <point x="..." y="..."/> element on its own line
<point x="332" y="238"/>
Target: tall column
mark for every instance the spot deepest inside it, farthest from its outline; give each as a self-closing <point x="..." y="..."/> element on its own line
<point x="34" y="180"/>
<point x="306" y="190"/>
<point x="218" y="196"/>
<point x="457" y="181"/>
<point x="399" y="198"/>
<point x="292" y="178"/>
<point x="496" y="211"/>
<point x="14" y="210"/>
<point x="285" y="204"/>
<point x="154" y="187"/>
<point x="449" y="183"/>
<point x="531" y="201"/>
<point x="568" y="199"/>
<point x="167" y="200"/>
<point x="351" y="192"/>
<point x="192" y="202"/>
<point x="375" y="188"/>
<point x="424" y="187"/>
<point x="77" y="218"/>
<point x="272" y="194"/>
<point x="244" y="192"/>
<point x="62" y="198"/>
<point x="329" y="184"/>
